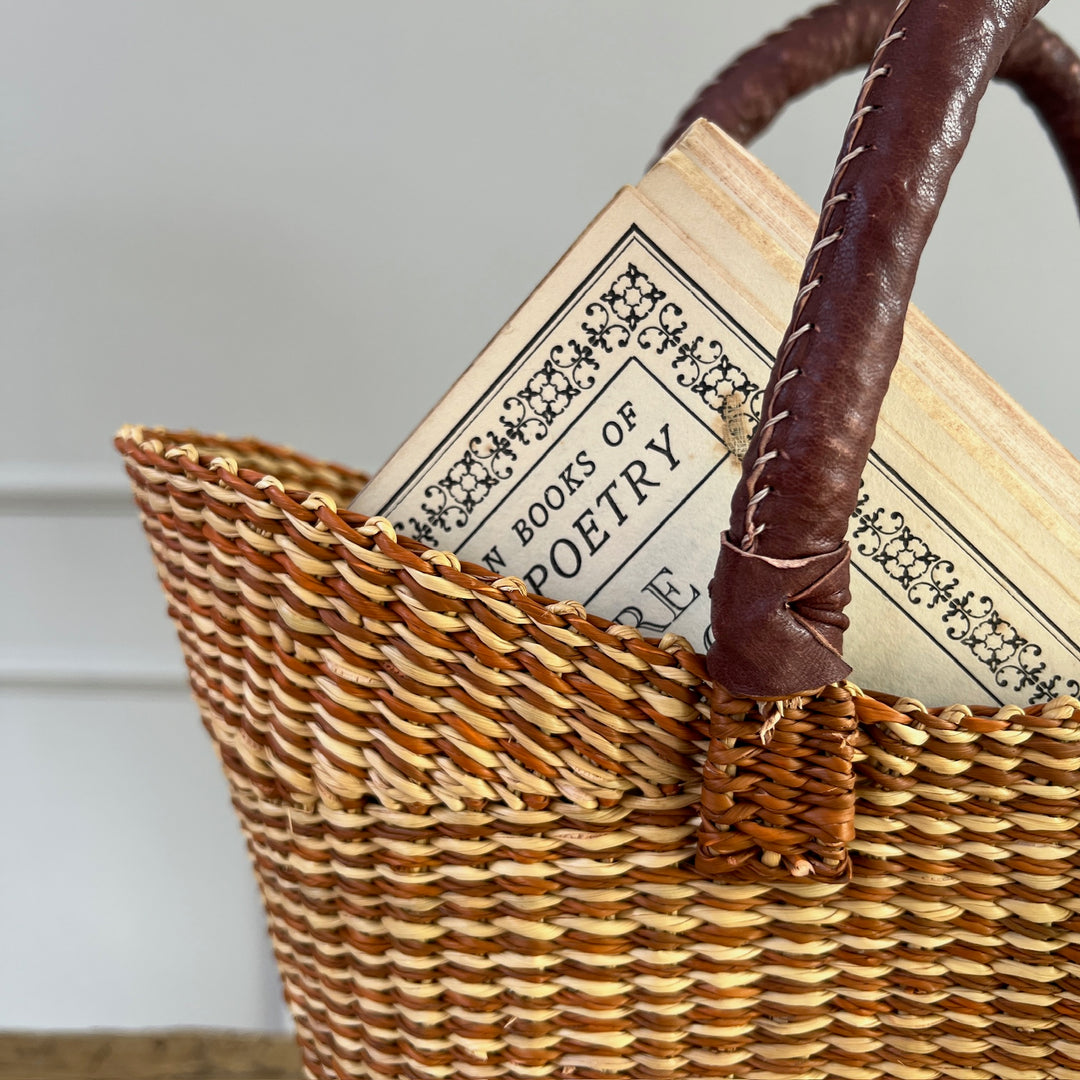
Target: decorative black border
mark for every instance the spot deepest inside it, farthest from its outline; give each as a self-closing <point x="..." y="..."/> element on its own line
<point x="481" y="520"/>
<point x="632" y="312"/>
<point x="928" y="580"/>
<point x="629" y="313"/>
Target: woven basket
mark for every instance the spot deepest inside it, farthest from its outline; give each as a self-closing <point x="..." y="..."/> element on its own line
<point x="473" y="817"/>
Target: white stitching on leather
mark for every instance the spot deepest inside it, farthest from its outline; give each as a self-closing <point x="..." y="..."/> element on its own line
<point x="833" y="199"/>
<point x="777" y="418"/>
<point x="808" y="288"/>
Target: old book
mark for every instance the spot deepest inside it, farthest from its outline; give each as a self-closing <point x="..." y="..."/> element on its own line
<point x="592" y="449"/>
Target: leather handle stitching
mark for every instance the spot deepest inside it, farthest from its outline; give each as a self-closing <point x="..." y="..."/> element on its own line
<point x="811" y="280"/>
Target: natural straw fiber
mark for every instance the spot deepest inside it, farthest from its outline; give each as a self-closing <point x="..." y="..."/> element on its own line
<point x="472" y="816"/>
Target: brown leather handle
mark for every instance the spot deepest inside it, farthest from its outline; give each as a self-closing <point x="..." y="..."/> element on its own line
<point x="781" y="581"/>
<point x="836" y="37"/>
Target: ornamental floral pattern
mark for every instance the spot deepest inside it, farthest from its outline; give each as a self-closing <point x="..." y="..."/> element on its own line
<point x="629" y="313"/>
<point x="710" y="373"/>
<point x="628" y="316"/>
<point x="632" y="296"/>
<point x="549" y="392"/>
<point x="974" y="622"/>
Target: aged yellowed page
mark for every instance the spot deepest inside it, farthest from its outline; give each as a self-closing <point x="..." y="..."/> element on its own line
<point x="592" y="449"/>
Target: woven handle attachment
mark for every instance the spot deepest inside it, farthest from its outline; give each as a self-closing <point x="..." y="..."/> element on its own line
<point x="781" y="581"/>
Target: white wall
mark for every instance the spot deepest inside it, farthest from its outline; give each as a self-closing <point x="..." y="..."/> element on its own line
<point x="302" y="220"/>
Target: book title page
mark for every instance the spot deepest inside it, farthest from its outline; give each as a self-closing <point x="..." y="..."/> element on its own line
<point x="593" y="448"/>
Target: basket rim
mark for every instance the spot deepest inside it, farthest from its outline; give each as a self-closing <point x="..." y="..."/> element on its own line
<point x="180" y="451"/>
<point x="204" y="459"/>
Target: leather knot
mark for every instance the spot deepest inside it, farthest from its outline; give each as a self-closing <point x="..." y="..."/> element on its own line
<point x="778" y="624"/>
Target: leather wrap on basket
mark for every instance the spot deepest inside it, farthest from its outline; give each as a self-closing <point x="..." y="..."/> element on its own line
<point x="812" y="618"/>
<point x="800" y="477"/>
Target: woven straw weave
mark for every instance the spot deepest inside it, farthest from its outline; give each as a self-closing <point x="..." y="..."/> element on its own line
<point x="472" y="817"/>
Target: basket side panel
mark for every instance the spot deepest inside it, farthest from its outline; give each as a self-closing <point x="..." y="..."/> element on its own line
<point x="473" y="819"/>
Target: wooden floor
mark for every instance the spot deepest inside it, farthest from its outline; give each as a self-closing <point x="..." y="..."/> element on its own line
<point x="164" y="1055"/>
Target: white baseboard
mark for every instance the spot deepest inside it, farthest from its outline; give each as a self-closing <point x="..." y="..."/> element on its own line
<point x="20" y="673"/>
<point x="35" y="487"/>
